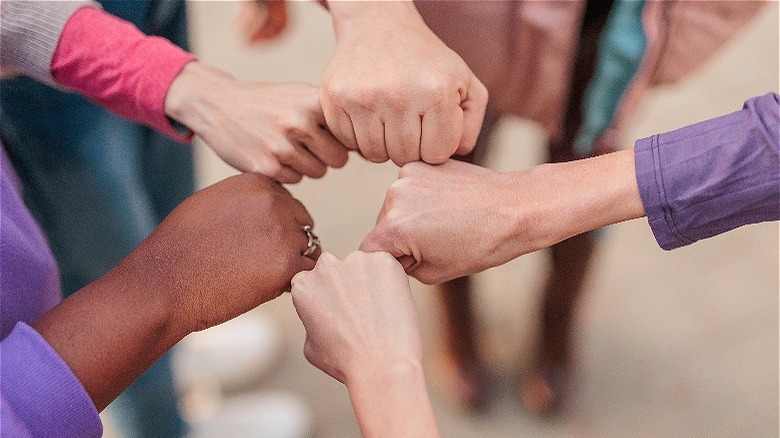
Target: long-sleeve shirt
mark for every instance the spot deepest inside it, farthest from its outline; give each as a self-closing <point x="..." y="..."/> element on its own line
<point x="713" y="176"/>
<point x="77" y="46"/>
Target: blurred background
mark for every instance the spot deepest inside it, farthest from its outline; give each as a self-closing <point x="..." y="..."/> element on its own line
<point x="681" y="343"/>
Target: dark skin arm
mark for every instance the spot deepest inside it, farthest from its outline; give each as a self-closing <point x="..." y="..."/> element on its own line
<point x="222" y="252"/>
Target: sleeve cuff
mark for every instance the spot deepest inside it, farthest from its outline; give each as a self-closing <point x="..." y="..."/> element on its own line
<point x="41" y="391"/>
<point x="112" y="63"/>
<point x="652" y="191"/>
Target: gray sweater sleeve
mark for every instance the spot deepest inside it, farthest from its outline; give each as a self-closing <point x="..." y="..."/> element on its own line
<point x="30" y="31"/>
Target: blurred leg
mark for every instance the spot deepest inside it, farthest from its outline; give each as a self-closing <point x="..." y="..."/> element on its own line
<point x="546" y="388"/>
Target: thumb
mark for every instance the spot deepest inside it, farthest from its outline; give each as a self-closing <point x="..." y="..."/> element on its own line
<point x="473" y="105"/>
<point x="376" y="241"/>
<point x="407" y="261"/>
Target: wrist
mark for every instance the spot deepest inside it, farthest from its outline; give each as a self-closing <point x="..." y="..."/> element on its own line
<point x="348" y="15"/>
<point x="195" y="94"/>
<point x="385" y="372"/>
<point x="390" y="398"/>
<point x="109" y="332"/>
<point x="575" y="197"/>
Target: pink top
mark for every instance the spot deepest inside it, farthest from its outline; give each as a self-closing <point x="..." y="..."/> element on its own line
<point x="111" y="62"/>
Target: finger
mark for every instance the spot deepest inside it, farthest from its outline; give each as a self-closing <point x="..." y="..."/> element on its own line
<point x="303" y="161"/>
<point x="286" y="175"/>
<point x="441" y="132"/>
<point x="402" y="138"/>
<point x="326" y="148"/>
<point x="300" y="215"/>
<point x="378" y="241"/>
<point x="370" y="134"/>
<point x="308" y="263"/>
<point x="338" y="122"/>
<point x="474" y="105"/>
<point x="406" y="261"/>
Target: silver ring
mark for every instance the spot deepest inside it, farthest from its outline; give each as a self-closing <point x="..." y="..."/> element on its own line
<point x="314" y="241"/>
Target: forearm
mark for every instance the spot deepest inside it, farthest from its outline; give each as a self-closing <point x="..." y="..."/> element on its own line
<point x="109" y="332"/>
<point x="112" y="63"/>
<point x="196" y="97"/>
<point x="567" y="199"/>
<point x="349" y="14"/>
<point x="391" y="400"/>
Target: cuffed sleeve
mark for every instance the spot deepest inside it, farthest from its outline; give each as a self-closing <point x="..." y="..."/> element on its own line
<point x="112" y="63"/>
<point x="40" y="394"/>
<point x="713" y="176"/>
<point x="30" y="31"/>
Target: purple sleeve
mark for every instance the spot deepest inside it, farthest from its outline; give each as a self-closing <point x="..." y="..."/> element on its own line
<point x="39" y="394"/>
<point x="713" y="176"/>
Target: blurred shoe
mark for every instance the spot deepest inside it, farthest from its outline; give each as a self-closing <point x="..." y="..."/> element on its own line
<point x="257" y="415"/>
<point x="545" y="391"/>
<point x="463" y="382"/>
<point x="230" y="356"/>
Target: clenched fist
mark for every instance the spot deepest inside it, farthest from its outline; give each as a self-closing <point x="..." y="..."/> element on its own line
<point x="225" y="250"/>
<point x="393" y="90"/>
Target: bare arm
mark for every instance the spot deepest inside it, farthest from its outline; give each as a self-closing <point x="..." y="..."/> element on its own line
<point x="488" y="218"/>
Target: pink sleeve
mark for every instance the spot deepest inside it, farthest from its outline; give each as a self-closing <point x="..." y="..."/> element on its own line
<point x="111" y="62"/>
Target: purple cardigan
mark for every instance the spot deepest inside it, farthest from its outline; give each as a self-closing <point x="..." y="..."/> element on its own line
<point x="39" y="394"/>
<point x="713" y="176"/>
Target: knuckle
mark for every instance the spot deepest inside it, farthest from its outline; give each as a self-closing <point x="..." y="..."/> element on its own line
<point x="291" y="122"/>
<point x="268" y="167"/>
<point x="384" y="258"/>
<point x="409" y="170"/>
<point x="327" y="259"/>
<point x="438" y="90"/>
<point x="310" y="353"/>
<point x="437" y="155"/>
<point x="394" y="225"/>
<point x="374" y="153"/>
<point x="337" y="91"/>
<point x="284" y="152"/>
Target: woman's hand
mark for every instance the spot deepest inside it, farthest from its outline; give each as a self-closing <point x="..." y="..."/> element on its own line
<point x="362" y="329"/>
<point x="357" y="312"/>
<point x="450" y="220"/>
<point x="455" y="219"/>
<point x="276" y="129"/>
<point x="393" y="90"/>
<point x="225" y="250"/>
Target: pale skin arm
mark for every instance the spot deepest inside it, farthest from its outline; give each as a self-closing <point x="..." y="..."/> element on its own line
<point x="443" y="222"/>
<point x="362" y="329"/>
<point x="277" y="129"/>
<point x="393" y="90"/>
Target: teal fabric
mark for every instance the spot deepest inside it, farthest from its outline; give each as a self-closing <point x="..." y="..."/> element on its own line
<point x="621" y="49"/>
<point x="98" y="185"/>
